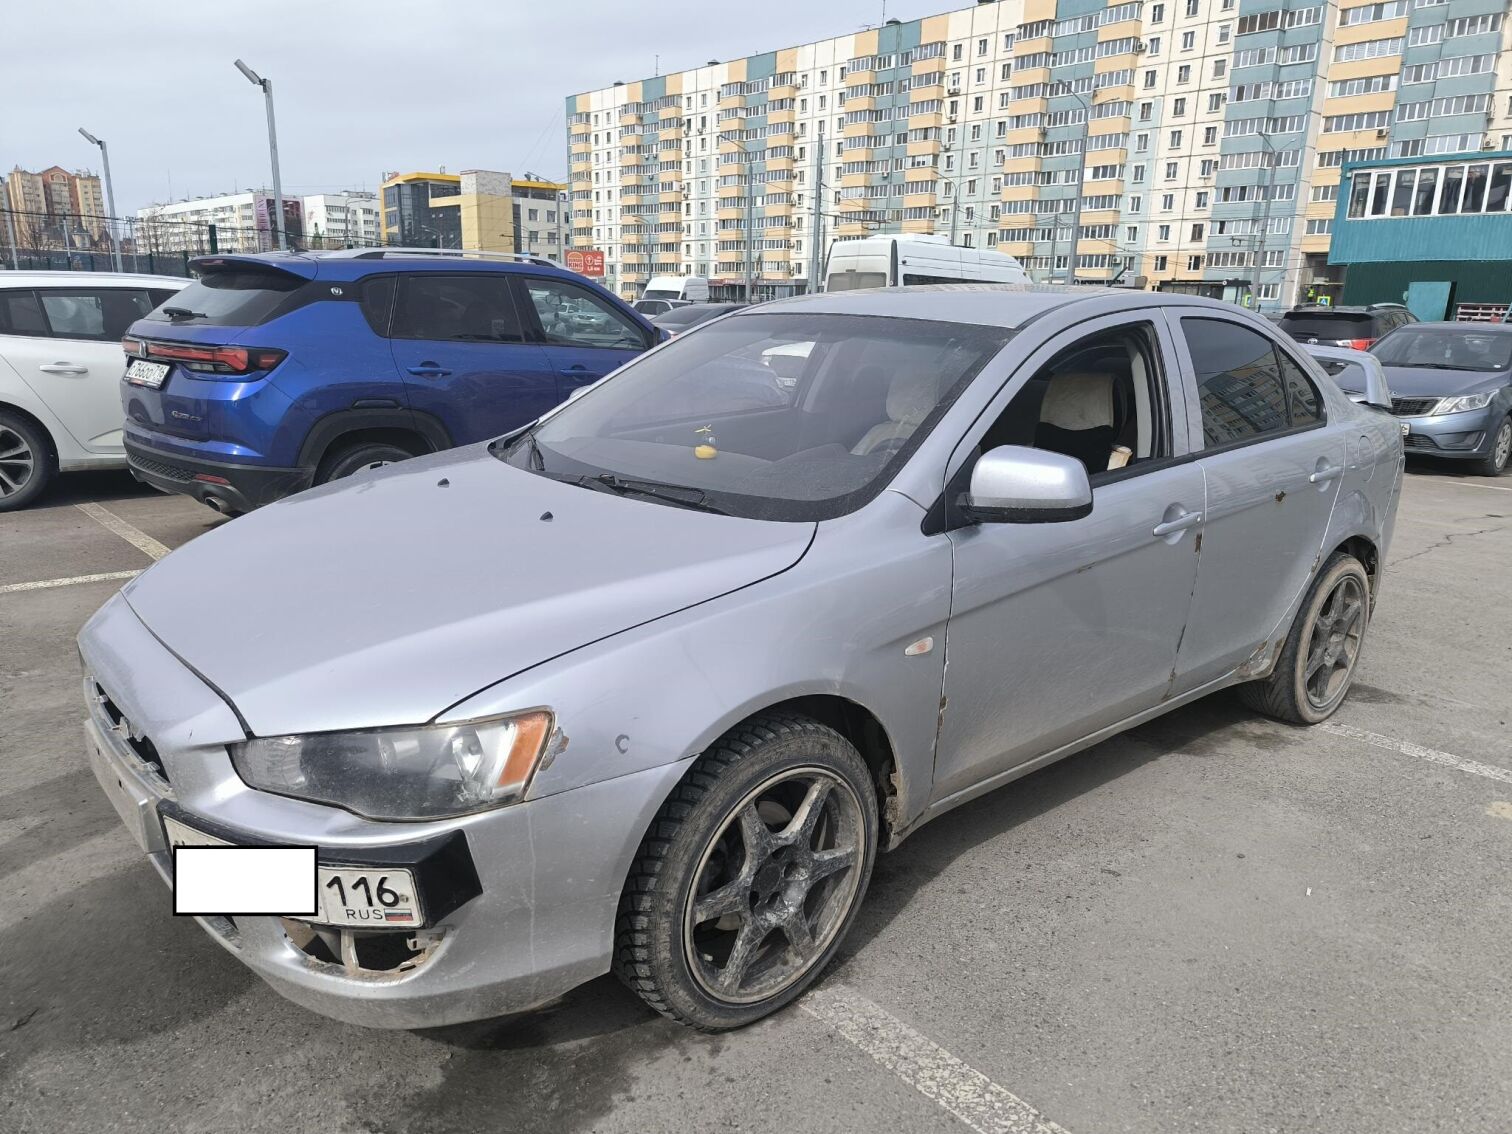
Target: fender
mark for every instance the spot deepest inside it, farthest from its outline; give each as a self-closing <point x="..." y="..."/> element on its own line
<point x="334" y="425"/>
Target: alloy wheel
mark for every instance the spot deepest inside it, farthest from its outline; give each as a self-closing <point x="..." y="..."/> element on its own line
<point x="773" y="885"/>
<point x="17" y="462"/>
<point x="1502" y="448"/>
<point x="1334" y="644"/>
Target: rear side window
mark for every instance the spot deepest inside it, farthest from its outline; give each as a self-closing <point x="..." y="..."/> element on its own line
<point x="473" y="308"/>
<point x="1302" y="404"/>
<point x="1239" y="383"/>
<point x="21" y="314"/>
<point x="377" y="300"/>
<point x="238" y="297"/>
<point x="99" y="314"/>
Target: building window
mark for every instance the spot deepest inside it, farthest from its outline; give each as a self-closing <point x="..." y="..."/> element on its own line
<point x="1178" y="108"/>
<point x="1163" y="232"/>
<point x="1152" y="47"/>
<point x="1175" y="140"/>
<point x="1188" y="40"/>
<point x="1161" y="263"/>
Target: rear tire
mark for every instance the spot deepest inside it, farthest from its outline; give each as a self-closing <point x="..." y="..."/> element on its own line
<point x="362" y="455"/>
<point x="1495" y="462"/>
<point x="27" y="462"/>
<point x="750" y="876"/>
<point x="1318" y="662"/>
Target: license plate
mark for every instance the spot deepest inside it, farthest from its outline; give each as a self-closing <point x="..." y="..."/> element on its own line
<point x="1406" y="429"/>
<point x="150" y="374"/>
<point x="357" y="896"/>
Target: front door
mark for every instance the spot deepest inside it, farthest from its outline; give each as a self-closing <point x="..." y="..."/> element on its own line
<point x="1273" y="472"/>
<point x="1058" y="630"/>
<point x="463" y="354"/>
<point x="585" y="336"/>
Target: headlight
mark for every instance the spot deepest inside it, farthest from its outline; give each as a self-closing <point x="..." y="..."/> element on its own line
<point x="1464" y="402"/>
<point x="430" y="772"/>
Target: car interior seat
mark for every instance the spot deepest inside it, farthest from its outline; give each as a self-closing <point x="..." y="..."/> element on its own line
<point x="910" y="397"/>
<point x="1077" y="418"/>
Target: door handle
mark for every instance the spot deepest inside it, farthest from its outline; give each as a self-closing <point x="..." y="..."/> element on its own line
<point x="63" y="368"/>
<point x="576" y="372"/>
<point x="1180" y="524"/>
<point x="428" y="370"/>
<point x="1327" y="472"/>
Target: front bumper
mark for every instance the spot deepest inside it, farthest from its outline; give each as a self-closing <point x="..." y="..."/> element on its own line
<point x="548" y="872"/>
<point x="1455" y="435"/>
<point x="236" y="487"/>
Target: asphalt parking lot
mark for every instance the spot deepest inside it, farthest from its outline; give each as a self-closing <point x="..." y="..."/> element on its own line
<point x="1213" y="923"/>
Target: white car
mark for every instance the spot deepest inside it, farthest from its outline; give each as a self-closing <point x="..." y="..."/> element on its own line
<point x="60" y="372"/>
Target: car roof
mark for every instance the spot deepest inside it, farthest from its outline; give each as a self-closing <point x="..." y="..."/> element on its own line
<point x="1464" y="327"/>
<point x="1010" y="306"/>
<point x="11" y="279"/>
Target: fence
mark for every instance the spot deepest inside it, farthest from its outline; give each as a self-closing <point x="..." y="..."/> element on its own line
<point x="156" y="245"/>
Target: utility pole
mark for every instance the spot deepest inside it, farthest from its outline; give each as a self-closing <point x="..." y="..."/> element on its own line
<point x="1081" y="181"/>
<point x="10" y="230"/>
<point x="277" y="220"/>
<point x="750" y="222"/>
<point x="816" y="235"/>
<point x="110" y="220"/>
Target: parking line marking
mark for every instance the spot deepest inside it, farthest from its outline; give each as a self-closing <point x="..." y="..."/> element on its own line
<point x="924" y="1065"/>
<point x="1407" y="748"/>
<point x="44" y="584"/>
<point x="138" y="539"/>
<point x="1472" y="484"/>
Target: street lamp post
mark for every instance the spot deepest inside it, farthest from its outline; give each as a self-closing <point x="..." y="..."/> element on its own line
<point x="277" y="221"/>
<point x="1259" y="244"/>
<point x="110" y="229"/>
<point x="1081" y="180"/>
<point x="750" y="209"/>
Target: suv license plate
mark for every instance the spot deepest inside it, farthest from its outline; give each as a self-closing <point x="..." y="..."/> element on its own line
<point x="150" y="374"/>
<point x="371" y="899"/>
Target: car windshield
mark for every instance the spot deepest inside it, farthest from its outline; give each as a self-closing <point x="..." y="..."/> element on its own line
<point x="770" y="415"/>
<point x="1425" y="348"/>
<point x="688" y="316"/>
<point x="1332" y="325"/>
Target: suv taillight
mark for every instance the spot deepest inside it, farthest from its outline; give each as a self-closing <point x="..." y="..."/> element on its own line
<point x="207" y="359"/>
<point x="1360" y="344"/>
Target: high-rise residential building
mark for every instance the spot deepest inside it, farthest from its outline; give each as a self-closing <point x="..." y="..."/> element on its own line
<point x="541" y="222"/>
<point x="473" y="209"/>
<point x="241" y="222"/>
<point x="55" y="207"/>
<point x="1191" y="144"/>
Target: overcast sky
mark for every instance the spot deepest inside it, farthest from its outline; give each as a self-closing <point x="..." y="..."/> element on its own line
<point x="360" y="87"/>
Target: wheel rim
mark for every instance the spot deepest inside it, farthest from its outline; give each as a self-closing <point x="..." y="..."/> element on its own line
<point x="1503" y="448"/>
<point x="1334" y="644"/>
<point x="17" y="462"/>
<point x="774" y="885"/>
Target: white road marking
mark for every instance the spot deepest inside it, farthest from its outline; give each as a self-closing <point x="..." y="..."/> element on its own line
<point x="924" y="1065"/>
<point x="138" y="539"/>
<point x="1407" y="748"/>
<point x="44" y="584"/>
<point x="1473" y="484"/>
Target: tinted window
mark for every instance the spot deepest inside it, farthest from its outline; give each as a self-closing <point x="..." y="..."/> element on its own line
<point x="101" y="314"/>
<point x="1340" y="325"/>
<point x="1238" y="382"/>
<point x="680" y="317"/>
<point x="377" y="300"/>
<point x="21" y="314"/>
<point x="238" y="297"/>
<point x="1302" y="402"/>
<point x="573" y="316"/>
<point x="473" y="308"/>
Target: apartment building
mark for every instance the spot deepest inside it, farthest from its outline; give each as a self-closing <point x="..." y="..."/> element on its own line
<point x="1190" y="144"/>
<point x="540" y="216"/>
<point x="241" y="222"/>
<point x="56" y="207"/>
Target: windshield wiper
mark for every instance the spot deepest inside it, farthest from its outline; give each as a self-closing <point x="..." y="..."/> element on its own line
<point x="695" y="498"/>
<point x="1438" y="366"/>
<point x="183" y="313"/>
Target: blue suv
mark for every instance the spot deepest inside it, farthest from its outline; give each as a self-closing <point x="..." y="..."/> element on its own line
<point x="277" y="371"/>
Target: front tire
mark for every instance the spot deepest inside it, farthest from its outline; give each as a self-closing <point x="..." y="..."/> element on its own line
<point x="27" y="463"/>
<point x="750" y="876"/>
<point x="1318" y="662"/>
<point x="355" y="458"/>
<point x="1494" y="463"/>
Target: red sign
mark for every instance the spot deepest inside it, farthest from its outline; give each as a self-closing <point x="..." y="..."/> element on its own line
<point x="586" y="262"/>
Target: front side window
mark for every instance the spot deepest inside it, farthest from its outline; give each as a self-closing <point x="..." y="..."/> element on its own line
<point x="1245" y="386"/>
<point x="767" y="415"/>
<point x="474" y="308"/>
<point x="573" y="316"/>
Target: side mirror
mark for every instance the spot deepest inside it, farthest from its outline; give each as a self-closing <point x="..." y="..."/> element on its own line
<point x="1016" y="485"/>
<point x="1377" y="393"/>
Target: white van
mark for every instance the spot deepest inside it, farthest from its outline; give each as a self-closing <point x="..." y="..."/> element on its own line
<point x="902" y="259"/>
<point x="666" y="292"/>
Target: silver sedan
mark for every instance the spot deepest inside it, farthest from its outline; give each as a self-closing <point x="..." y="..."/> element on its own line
<point x="647" y="685"/>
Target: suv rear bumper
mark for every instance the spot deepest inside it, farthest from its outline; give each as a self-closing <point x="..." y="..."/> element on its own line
<point x="222" y="485"/>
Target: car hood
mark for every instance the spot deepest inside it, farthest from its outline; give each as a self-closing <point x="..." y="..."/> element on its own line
<point x="388" y="597"/>
<point x="1417" y="382"/>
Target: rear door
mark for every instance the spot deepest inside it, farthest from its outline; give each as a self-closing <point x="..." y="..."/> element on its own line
<point x="465" y="354"/>
<point x="74" y="361"/>
<point x="1273" y="467"/>
<point x="585" y="336"/>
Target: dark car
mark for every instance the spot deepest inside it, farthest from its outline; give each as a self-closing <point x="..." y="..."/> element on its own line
<point x="1451" y="383"/>
<point x="277" y="371"/>
<point x="690" y="315"/>
<point x="1353" y="327"/>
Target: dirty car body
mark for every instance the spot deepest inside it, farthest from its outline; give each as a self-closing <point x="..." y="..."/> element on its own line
<point x="654" y="566"/>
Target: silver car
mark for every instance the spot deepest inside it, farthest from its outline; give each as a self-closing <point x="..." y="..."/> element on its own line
<point x="647" y="685"/>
